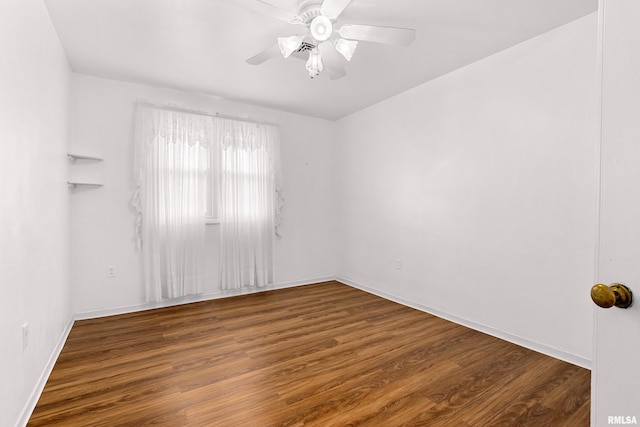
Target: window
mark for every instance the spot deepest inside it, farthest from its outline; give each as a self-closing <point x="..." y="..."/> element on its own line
<point x="212" y="213"/>
<point x="192" y="170"/>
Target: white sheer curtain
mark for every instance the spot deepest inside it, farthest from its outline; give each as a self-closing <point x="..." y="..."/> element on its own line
<point x="171" y="161"/>
<point x="250" y="202"/>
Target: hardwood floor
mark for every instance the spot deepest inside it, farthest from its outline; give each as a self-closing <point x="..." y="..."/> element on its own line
<point x="321" y="355"/>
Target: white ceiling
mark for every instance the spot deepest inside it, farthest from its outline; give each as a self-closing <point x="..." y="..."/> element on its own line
<point x="202" y="45"/>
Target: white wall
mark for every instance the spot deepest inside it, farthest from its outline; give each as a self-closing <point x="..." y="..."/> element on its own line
<point x="103" y="220"/>
<point x="34" y="221"/>
<point x="483" y="183"/>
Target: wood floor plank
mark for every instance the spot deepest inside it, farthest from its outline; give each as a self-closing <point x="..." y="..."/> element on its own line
<point x="317" y="355"/>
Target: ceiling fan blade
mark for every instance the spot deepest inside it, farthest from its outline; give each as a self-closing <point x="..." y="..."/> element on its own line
<point x="371" y="33"/>
<point x="265" y="55"/>
<point x="268" y="9"/>
<point x="331" y="60"/>
<point x="332" y="8"/>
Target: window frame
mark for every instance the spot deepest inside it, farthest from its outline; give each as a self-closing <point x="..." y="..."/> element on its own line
<point x="212" y="212"/>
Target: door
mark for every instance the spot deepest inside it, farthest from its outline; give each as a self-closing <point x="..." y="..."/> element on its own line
<point x="615" y="387"/>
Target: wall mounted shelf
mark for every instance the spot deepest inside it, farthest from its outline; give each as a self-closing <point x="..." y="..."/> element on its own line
<point x="80" y="182"/>
<point x="83" y="184"/>
<point x="81" y="157"/>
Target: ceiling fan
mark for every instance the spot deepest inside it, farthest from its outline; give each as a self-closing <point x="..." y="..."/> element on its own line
<point x="320" y="38"/>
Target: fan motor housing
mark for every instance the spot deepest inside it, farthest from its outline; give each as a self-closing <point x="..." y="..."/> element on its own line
<point x="308" y="10"/>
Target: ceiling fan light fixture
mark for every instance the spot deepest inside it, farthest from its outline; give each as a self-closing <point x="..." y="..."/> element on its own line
<point x="288" y="45"/>
<point x="314" y="63"/>
<point x="318" y="18"/>
<point x="321" y="28"/>
<point x="346" y="48"/>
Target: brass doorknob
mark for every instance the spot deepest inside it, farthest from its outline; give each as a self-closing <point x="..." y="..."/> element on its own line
<point x="607" y="296"/>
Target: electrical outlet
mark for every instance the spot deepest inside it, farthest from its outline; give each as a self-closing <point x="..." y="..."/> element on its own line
<point x="25" y="336"/>
<point x="111" y="272"/>
<point x="398" y="264"/>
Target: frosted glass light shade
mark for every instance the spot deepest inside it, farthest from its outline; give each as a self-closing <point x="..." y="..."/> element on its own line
<point x="321" y="28"/>
<point x="314" y="63"/>
<point x="288" y="45"/>
<point x="346" y="48"/>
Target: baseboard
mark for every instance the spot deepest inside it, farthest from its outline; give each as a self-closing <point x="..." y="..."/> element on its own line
<point x="195" y="298"/>
<point x="523" y="342"/>
<point x="44" y="376"/>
